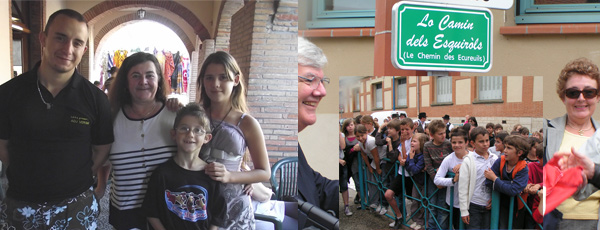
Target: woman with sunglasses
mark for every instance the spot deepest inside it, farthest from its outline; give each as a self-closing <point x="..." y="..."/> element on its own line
<point x="577" y="87"/>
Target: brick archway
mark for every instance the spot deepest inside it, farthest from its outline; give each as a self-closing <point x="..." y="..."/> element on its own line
<point x="102" y="9"/>
<point x="106" y="30"/>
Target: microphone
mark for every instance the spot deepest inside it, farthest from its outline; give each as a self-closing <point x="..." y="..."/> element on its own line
<point x="318" y="216"/>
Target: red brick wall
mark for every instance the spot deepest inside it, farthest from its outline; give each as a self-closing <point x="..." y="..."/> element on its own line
<point x="264" y="42"/>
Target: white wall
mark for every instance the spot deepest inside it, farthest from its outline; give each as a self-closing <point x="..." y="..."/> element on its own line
<point x="320" y="144"/>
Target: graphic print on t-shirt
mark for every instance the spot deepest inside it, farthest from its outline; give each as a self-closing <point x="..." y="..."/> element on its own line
<point x="190" y="205"/>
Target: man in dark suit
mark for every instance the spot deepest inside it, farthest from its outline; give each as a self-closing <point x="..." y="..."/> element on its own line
<point x="421" y="126"/>
<point x="312" y="187"/>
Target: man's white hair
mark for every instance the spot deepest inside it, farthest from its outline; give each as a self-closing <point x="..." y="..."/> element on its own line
<point x="310" y="55"/>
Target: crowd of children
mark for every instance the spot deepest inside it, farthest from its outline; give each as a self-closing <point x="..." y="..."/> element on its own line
<point x="412" y="160"/>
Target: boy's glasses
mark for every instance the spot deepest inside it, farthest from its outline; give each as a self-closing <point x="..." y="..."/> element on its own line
<point x="588" y="93"/>
<point x="186" y="130"/>
<point x="314" y="81"/>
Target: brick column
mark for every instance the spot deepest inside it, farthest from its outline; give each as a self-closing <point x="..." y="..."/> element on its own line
<point x="224" y="28"/>
<point x="264" y="42"/>
<point x="207" y="48"/>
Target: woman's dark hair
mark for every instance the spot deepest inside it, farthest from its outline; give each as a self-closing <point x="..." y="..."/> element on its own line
<point x="474" y="121"/>
<point x="119" y="94"/>
<point x="345" y="125"/>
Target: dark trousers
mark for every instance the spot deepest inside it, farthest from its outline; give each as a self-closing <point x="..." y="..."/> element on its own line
<point x="479" y="217"/>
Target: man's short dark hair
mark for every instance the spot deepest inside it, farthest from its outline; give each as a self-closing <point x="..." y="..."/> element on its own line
<point x="360" y="129"/>
<point x="196" y="111"/>
<point x="489" y="125"/>
<point x="459" y="132"/>
<point x="67" y="12"/>
<point x="520" y="143"/>
<point x="524" y="131"/>
<point x="498" y="126"/>
<point x="501" y="135"/>
<point x="477" y="131"/>
<point x="113" y="70"/>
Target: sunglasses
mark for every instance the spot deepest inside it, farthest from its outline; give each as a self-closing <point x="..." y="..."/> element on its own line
<point x="588" y="93"/>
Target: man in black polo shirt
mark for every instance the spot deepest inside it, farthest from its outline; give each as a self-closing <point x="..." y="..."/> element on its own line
<point x="55" y="131"/>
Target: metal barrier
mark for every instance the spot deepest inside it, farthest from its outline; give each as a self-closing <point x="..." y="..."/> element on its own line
<point x="424" y="201"/>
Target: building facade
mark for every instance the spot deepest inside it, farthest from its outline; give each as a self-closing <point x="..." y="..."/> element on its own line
<point x="506" y="100"/>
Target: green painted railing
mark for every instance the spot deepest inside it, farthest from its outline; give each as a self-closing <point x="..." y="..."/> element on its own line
<point x="423" y="199"/>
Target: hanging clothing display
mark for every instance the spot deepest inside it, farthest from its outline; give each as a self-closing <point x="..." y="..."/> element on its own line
<point x="161" y="59"/>
<point x="169" y="67"/>
<point x="174" y="66"/>
<point x="185" y="75"/>
<point x="119" y="57"/>
<point x="176" y="71"/>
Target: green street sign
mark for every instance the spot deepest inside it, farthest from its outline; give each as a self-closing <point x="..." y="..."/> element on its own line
<point x="439" y="37"/>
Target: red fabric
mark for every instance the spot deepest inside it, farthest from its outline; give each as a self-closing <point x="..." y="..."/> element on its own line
<point x="537" y="217"/>
<point x="560" y="184"/>
<point x="169" y="68"/>
<point x="536" y="175"/>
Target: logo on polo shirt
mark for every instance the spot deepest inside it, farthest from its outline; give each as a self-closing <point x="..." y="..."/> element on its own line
<point x="80" y="120"/>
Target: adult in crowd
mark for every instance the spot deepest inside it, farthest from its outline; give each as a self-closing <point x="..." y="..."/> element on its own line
<point x="449" y="126"/>
<point x="55" y="132"/>
<point x="113" y="75"/>
<point x="223" y="96"/>
<point x="577" y="87"/>
<point x="420" y="128"/>
<point x="473" y="121"/>
<point x="312" y="187"/>
<point x="142" y="127"/>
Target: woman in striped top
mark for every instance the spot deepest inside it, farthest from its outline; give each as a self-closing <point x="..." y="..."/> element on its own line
<point x="142" y="140"/>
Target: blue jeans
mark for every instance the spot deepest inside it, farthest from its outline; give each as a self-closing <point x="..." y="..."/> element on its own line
<point x="479" y="217"/>
<point x="438" y="199"/>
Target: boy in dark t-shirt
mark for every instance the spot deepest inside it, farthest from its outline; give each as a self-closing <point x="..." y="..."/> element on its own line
<point x="180" y="195"/>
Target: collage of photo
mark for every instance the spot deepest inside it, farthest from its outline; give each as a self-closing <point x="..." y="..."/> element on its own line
<point x="184" y="114"/>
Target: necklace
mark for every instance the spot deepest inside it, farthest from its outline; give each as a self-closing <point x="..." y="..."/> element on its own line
<point x="219" y="125"/>
<point x="511" y="168"/>
<point x="37" y="83"/>
<point x="580" y="131"/>
<point x="145" y="115"/>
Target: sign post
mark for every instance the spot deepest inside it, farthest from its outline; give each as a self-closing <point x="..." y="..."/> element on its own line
<point x="435" y="37"/>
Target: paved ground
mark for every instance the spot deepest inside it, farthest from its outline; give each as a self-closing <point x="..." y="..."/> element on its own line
<point x="362" y="219"/>
<point x="103" y="220"/>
